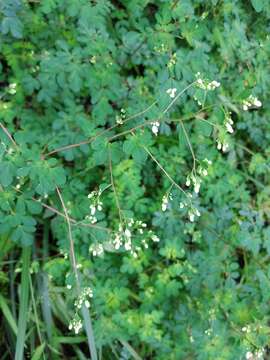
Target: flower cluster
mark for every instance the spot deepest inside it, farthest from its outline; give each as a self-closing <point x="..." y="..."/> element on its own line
<point x="228" y="123"/>
<point x="165" y="202"/>
<point x="93" y="59"/>
<point x="155" y="127"/>
<point x="192" y="210"/>
<point x="171" y="92"/>
<point x="123" y="237"/>
<point x="250" y="102"/>
<point x="120" y="118"/>
<point x="96" y="249"/>
<point x="197" y="100"/>
<point x="12" y="88"/>
<point x="161" y="49"/>
<point x="96" y="205"/>
<point x="172" y="61"/>
<point x="222" y="145"/>
<point x="258" y="355"/>
<point x="75" y="324"/>
<point x="195" y="178"/>
<point x="131" y="237"/>
<point x="206" y="84"/>
<point x="84" y="298"/>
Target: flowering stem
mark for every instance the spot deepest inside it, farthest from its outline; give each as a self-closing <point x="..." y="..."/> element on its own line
<point x="177" y="96"/>
<point x="85" y="312"/>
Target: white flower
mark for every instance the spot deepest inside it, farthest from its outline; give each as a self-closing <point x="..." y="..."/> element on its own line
<point x="12" y="88"/>
<point x="93" y="59"/>
<point x="96" y="249"/>
<point x="165" y="202"/>
<point x="229" y="127"/>
<point x="257" y="103"/>
<point x="76" y="325"/>
<point x="127" y="233"/>
<point x="215" y="84"/>
<point x="155" y="127"/>
<point x="128" y="245"/>
<point x="197" y="212"/>
<point x="206" y="84"/>
<point x="249" y="355"/>
<point x="197" y="187"/>
<point x="171" y="92"/>
<point x="92" y="209"/>
<point x="92" y="194"/>
<point x="117" y="242"/>
<point x="155" y="238"/>
<point x="191" y="217"/>
<point x="164" y="207"/>
<point x="251" y="101"/>
<point x="119" y="120"/>
<point x="204" y="172"/>
<point x="225" y="147"/>
<point x="200" y="82"/>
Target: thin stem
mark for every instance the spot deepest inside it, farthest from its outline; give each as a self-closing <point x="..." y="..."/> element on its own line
<point x="207" y="121"/>
<point x="68" y="147"/>
<point x="8" y="135"/>
<point x="72" y="221"/>
<point x="148" y="122"/>
<point x="190" y="146"/>
<point x="177" y="97"/>
<point x="85" y="142"/>
<point x="35" y="312"/>
<point x="71" y="242"/>
<point x="113" y="186"/>
<point x="164" y="171"/>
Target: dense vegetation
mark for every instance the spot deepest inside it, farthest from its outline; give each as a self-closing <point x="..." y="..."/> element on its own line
<point x="134" y="179"/>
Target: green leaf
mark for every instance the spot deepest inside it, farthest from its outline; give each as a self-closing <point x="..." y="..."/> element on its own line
<point x="258" y="5"/>
<point x="8" y="315"/>
<point x="133" y="147"/>
<point x="38" y="352"/>
<point x="7" y="172"/>
<point x="74" y="80"/>
<point x="12" y="25"/>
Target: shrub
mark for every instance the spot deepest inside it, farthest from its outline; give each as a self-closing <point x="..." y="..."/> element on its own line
<point x="134" y="179"/>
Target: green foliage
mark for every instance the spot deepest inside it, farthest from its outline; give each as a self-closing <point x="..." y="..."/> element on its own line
<point x="112" y="116"/>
